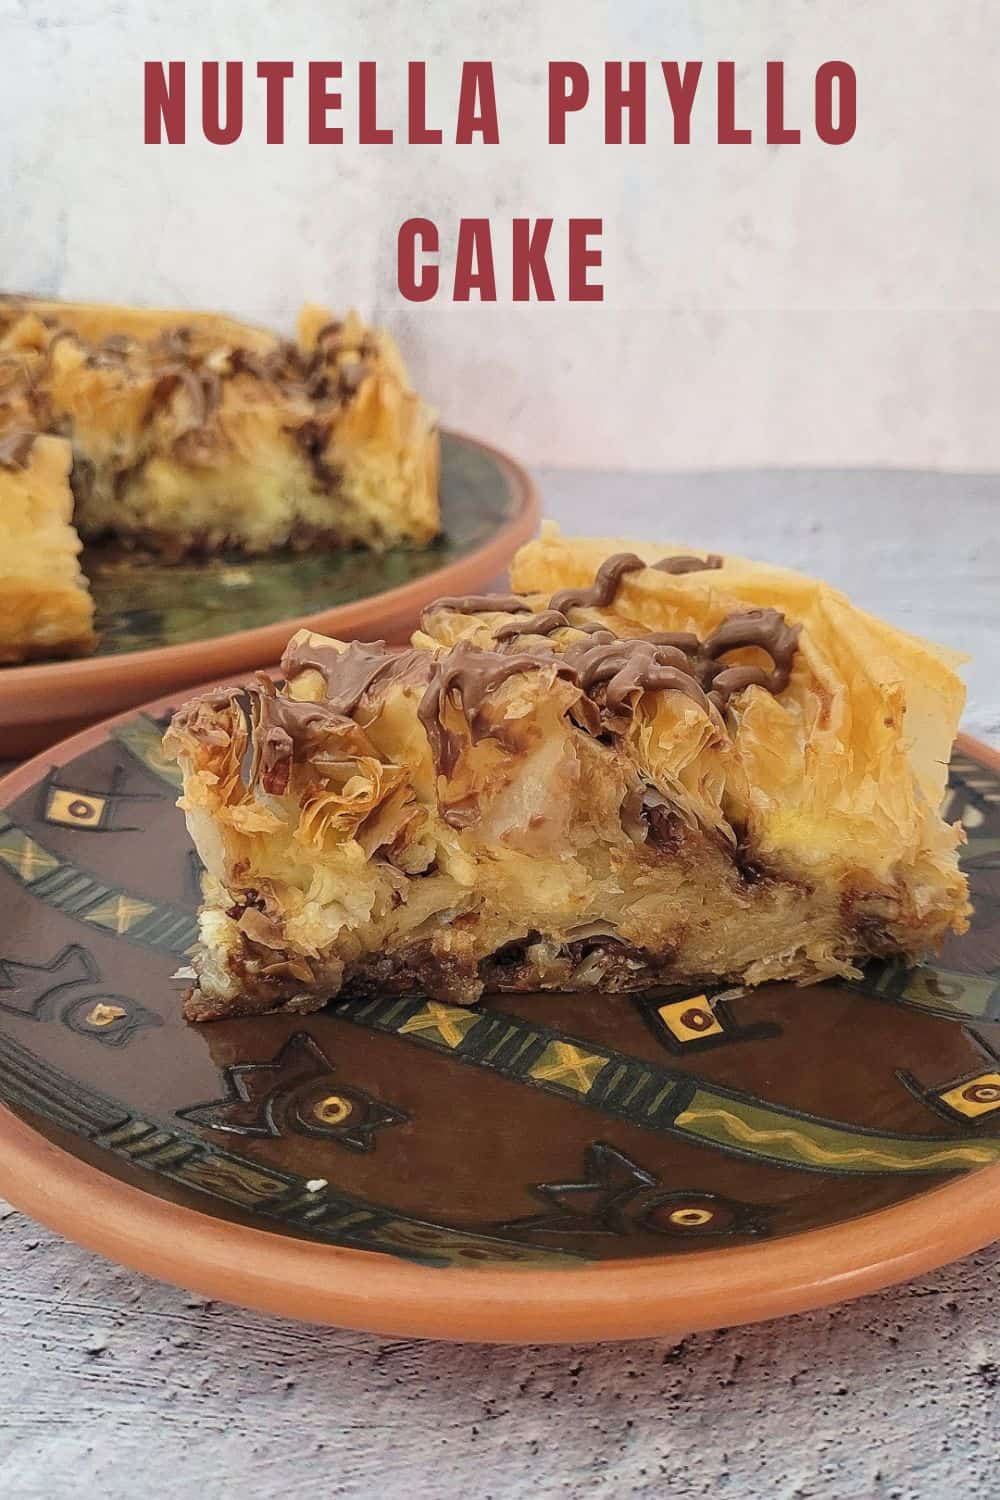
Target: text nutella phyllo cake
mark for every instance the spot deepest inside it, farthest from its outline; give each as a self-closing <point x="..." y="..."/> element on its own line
<point x="641" y="767"/>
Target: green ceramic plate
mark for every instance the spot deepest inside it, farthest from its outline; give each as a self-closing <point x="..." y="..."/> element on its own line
<point x="544" y="1166"/>
<point x="145" y="605"/>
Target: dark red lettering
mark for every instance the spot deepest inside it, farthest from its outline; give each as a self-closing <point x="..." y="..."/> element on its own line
<point x="211" y="114"/>
<point x="474" y="262"/>
<point x="581" y="257"/>
<point x="530" y="242"/>
<point x="370" y="133"/>
<point x="164" y="103"/>
<point x="728" y="133"/>
<point x="618" y="99"/>
<point x="321" y="101"/>
<point x="417" y="284"/>
<point x="681" y="86"/>
<point x="275" y="75"/>
<point x="418" y="132"/>
<point x="844" y="76"/>
<point x="778" y="133"/>
<point x="569" y="89"/>
<point x="477" y="106"/>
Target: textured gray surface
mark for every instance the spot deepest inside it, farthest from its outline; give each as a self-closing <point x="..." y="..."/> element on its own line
<point x="114" y="1386"/>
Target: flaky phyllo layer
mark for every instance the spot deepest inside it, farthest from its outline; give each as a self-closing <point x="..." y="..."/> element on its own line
<point x="641" y="767"/>
<point x="45" y="607"/>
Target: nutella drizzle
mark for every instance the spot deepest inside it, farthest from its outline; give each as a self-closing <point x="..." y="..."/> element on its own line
<point x="282" y="727"/>
<point x="601" y="593"/>
<point x="544" y="623"/>
<point x="611" y="672"/>
<point x="688" y="564"/>
<point x="766" y="629"/>
<point x="625" y="667"/>
<point x="547" y="623"/>
<point x="351" y="674"/>
<point x="477" y="604"/>
<point x="466" y="676"/>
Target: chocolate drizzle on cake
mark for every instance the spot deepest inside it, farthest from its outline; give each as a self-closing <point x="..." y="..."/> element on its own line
<point x="477" y="604"/>
<point x="682" y="564"/>
<point x="312" y="438"/>
<point x="283" y="731"/>
<point x="465" y="677"/>
<point x="602" y="592"/>
<point x="359" y="671"/>
<point x="548" y="622"/>
<point x="765" y="629"/>
<point x="458" y="684"/>
<point x="625" y="668"/>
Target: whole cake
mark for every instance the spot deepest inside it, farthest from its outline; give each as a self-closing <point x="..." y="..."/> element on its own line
<point x="191" y="433"/>
<point x="643" y="766"/>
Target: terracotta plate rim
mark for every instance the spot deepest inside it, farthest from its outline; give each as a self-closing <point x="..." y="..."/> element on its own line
<point x="34" y="682"/>
<point x="364" y="1289"/>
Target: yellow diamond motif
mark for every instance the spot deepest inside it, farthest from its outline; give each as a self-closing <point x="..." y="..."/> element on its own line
<point x="21" y="854"/>
<point x="568" y="1066"/>
<point x="690" y="1020"/>
<point x="448" y="1022"/>
<point x="119" y="913"/>
<point x="975" y="1097"/>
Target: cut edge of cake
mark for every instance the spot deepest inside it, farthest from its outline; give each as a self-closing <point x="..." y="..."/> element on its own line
<point x="45" y="605"/>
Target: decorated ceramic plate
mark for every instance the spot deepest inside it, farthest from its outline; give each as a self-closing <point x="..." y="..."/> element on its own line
<point x="539" y="1168"/>
<point x="163" y="627"/>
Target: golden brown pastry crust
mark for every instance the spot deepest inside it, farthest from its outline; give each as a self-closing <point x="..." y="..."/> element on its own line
<point x="702" y="770"/>
<point x="45" y="608"/>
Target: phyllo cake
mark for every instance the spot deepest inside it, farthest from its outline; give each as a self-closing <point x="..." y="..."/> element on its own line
<point x="192" y="433"/>
<point x="644" y="766"/>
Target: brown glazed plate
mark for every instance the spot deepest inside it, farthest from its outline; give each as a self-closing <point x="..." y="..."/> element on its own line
<point x="163" y="627"/>
<point x="544" y="1167"/>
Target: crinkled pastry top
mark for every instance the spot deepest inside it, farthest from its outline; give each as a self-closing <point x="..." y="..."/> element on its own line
<point x="766" y="709"/>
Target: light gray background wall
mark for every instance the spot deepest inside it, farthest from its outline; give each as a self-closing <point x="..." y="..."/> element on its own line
<point x="788" y="305"/>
